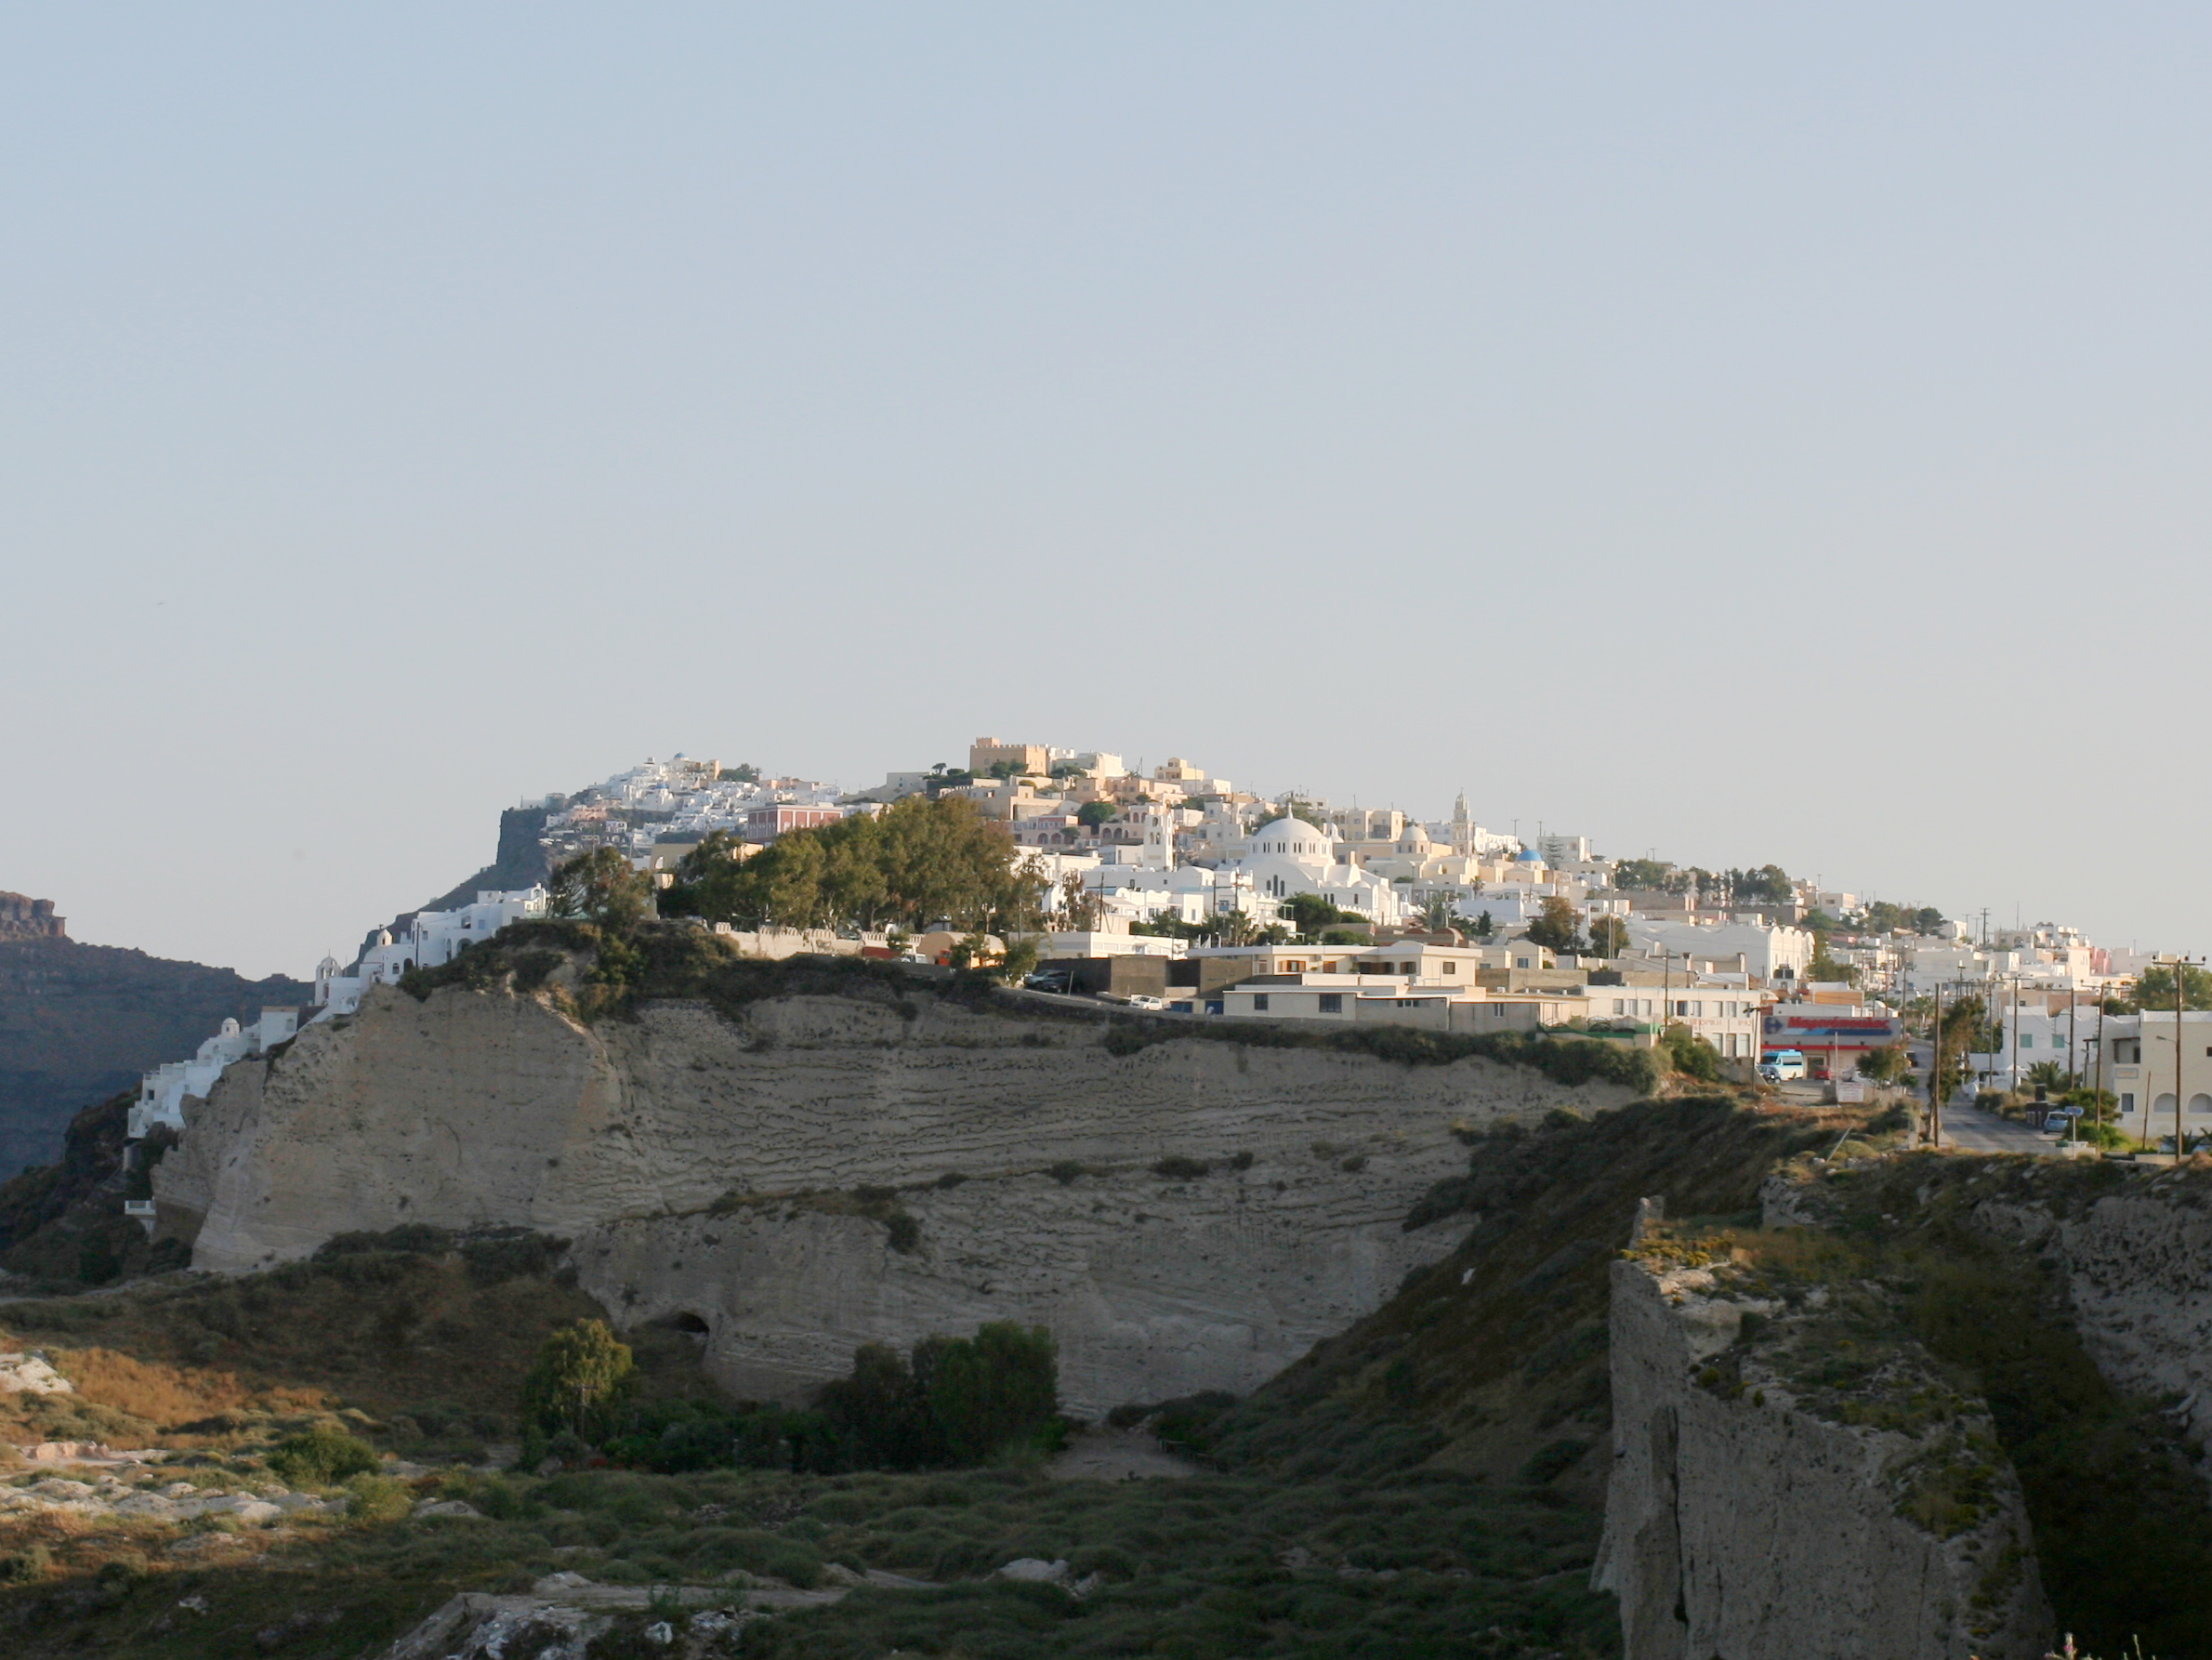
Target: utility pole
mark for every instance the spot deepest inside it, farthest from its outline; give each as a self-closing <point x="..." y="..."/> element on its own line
<point x="1935" y="1071"/>
<point x="2097" y="1088"/>
<point x="2179" y="965"/>
<point x="2012" y="1067"/>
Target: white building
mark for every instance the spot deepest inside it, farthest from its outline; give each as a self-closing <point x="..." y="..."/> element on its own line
<point x="163" y="1091"/>
<point x="429" y="940"/>
<point x="1289" y="857"/>
<point x="1764" y="951"/>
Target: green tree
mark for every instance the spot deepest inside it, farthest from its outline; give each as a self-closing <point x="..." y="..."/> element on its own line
<point x="1485" y="928"/>
<point x="711" y="881"/>
<point x="2154" y="989"/>
<point x="1311" y="913"/>
<point x="987" y="1392"/>
<point x="1692" y="1055"/>
<point x="1884" y="1065"/>
<point x="881" y="1414"/>
<point x="1092" y="814"/>
<point x="1646" y="875"/>
<point x="1768" y="885"/>
<point x="1557" y="926"/>
<point x="1019" y="961"/>
<point x="580" y="1370"/>
<point x="1440" y="912"/>
<point x="602" y="887"/>
<point x="1609" y="936"/>
<point x="790" y="875"/>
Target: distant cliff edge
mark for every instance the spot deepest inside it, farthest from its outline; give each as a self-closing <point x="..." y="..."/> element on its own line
<point x="79" y="1022"/>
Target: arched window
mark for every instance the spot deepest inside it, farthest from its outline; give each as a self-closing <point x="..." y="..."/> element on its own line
<point x="2164" y="1103"/>
<point x="2200" y="1103"/>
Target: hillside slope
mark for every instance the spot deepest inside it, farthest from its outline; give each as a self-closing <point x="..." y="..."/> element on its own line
<point x="79" y="1022"/>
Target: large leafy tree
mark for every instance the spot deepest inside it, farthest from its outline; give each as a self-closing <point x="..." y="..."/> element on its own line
<point x="580" y="1370"/>
<point x="602" y="887"/>
<point x="1557" y="926"/>
<point x="2154" y="988"/>
<point x="921" y="862"/>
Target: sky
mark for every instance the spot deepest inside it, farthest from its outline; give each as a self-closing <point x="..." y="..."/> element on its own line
<point x="1749" y="433"/>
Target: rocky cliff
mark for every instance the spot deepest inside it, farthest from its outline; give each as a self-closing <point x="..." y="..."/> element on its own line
<point x="797" y="1173"/>
<point x="1767" y="1503"/>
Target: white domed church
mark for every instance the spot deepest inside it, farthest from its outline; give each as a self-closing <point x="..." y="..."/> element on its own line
<point x="1290" y="856"/>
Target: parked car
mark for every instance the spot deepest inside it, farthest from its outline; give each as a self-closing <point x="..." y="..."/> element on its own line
<point x="1145" y="1000"/>
<point x="1050" y="980"/>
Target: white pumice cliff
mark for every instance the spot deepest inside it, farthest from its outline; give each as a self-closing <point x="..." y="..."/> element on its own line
<point x="708" y="1169"/>
<point x="1745" y="1521"/>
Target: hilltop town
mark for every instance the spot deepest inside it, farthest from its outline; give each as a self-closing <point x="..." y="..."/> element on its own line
<point x="1176" y="890"/>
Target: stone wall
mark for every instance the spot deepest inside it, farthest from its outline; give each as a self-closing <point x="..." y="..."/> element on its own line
<point x="710" y="1167"/>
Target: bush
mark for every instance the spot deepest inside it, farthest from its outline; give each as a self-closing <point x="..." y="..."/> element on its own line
<point x="1177" y="1168"/>
<point x="378" y="1498"/>
<point x="322" y="1458"/>
<point x="1692" y="1055"/>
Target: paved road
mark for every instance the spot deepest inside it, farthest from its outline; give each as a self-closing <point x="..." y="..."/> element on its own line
<point x="1972" y="1130"/>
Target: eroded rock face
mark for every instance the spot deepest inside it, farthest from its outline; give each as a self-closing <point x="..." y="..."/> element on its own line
<point x="711" y="1169"/>
<point x="1742" y="1523"/>
<point x="2138" y="1270"/>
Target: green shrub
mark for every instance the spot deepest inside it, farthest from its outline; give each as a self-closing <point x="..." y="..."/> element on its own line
<point x="1177" y="1168"/>
<point x="322" y="1458"/>
<point x="378" y="1498"/>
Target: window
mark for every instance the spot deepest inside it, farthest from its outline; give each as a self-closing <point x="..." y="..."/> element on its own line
<point x="1682" y="1008"/>
<point x="2128" y="1052"/>
<point x="1409" y="967"/>
<point x="1332" y="1003"/>
<point x="2126" y="1104"/>
<point x="2027" y="1040"/>
<point x="1620" y="1006"/>
<point x="1453" y="968"/>
<point x="1259" y="1002"/>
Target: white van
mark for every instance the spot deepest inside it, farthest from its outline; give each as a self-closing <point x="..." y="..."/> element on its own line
<point x="1776" y="1065"/>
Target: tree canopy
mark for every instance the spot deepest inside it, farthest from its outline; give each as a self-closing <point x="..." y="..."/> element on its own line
<point x="1769" y="884"/>
<point x="2154" y="988"/>
<point x="1882" y="917"/>
<point x="602" y="887"/>
<point x="581" y="1370"/>
<point x="1557" y="926"/>
<point x="921" y="862"/>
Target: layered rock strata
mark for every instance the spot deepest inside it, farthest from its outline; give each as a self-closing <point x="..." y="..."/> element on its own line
<point x="821" y="1171"/>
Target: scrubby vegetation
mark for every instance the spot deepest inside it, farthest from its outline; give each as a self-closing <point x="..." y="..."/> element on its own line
<point x="955" y="1404"/>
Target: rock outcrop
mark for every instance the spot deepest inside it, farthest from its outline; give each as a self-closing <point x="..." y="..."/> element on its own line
<point x="22" y="917"/>
<point x="1764" y="1507"/>
<point x="811" y="1172"/>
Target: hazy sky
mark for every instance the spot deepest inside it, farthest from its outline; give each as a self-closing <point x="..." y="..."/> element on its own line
<point x="1751" y="432"/>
